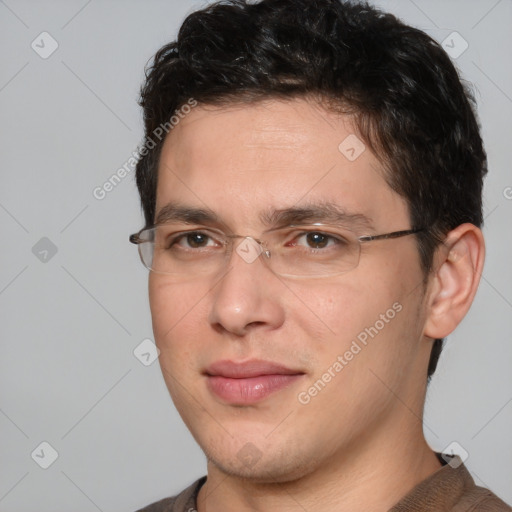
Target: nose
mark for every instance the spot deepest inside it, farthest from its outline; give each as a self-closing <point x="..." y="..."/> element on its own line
<point x="247" y="297"/>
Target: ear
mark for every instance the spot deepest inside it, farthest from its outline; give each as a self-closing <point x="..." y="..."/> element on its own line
<point x="459" y="263"/>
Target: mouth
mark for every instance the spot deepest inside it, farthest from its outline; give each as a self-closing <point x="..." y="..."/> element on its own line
<point x="248" y="382"/>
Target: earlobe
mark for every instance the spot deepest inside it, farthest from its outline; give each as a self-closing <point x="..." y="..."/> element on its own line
<point x="459" y="266"/>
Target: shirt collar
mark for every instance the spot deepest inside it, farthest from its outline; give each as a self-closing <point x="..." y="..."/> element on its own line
<point x="442" y="490"/>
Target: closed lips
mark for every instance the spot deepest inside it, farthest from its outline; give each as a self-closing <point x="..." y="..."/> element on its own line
<point x="249" y="382"/>
<point x="248" y="369"/>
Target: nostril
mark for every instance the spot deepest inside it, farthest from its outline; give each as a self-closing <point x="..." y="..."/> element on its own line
<point x="255" y="324"/>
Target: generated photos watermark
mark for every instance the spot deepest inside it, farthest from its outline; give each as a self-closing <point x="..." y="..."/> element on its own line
<point x="158" y="134"/>
<point x="305" y="397"/>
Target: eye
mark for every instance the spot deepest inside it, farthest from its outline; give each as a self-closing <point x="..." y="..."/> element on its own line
<point x="319" y="240"/>
<point x="191" y="240"/>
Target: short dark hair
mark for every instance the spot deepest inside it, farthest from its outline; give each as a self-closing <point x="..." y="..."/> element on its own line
<point x="407" y="100"/>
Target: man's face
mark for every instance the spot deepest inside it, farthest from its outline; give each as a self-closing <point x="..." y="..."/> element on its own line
<point x="239" y="162"/>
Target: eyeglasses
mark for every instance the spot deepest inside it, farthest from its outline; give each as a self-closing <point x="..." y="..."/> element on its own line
<point x="315" y="250"/>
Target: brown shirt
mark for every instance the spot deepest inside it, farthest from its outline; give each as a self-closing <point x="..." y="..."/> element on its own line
<point x="450" y="489"/>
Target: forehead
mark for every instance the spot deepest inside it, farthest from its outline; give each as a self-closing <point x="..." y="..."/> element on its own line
<point x="242" y="160"/>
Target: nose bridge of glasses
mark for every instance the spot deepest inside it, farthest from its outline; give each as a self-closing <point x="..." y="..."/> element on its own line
<point x="249" y="248"/>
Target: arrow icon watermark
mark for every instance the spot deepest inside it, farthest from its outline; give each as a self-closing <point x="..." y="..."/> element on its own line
<point x="44" y="250"/>
<point x="146" y="352"/>
<point x="352" y="147"/>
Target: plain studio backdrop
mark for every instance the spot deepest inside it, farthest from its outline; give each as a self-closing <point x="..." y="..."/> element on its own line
<point x="73" y="293"/>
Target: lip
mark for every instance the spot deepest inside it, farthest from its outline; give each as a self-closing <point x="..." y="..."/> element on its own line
<point x="248" y="369"/>
<point x="248" y="382"/>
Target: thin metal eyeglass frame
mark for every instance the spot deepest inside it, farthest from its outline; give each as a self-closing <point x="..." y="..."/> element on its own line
<point x="137" y="240"/>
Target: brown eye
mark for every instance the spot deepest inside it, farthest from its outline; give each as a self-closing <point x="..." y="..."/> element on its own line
<point x="197" y="239"/>
<point x="317" y="240"/>
<point x="191" y="240"/>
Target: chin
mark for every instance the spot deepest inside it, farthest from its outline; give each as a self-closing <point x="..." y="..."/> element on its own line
<point x="271" y="464"/>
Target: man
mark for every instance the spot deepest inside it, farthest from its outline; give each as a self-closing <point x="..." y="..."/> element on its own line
<point x="312" y="198"/>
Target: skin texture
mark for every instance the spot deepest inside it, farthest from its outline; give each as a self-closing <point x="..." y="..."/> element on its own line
<point x="358" y="444"/>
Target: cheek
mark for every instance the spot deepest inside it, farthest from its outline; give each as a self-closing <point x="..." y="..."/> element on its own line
<point x="372" y="350"/>
<point x="372" y="322"/>
<point x="390" y="332"/>
<point x="179" y="318"/>
<point x="332" y="313"/>
<point x="177" y="311"/>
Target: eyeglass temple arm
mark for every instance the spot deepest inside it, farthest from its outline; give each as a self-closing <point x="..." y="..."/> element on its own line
<point x="394" y="234"/>
<point x="135" y="239"/>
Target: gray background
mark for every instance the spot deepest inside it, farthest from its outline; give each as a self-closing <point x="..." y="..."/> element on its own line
<point x="70" y="323"/>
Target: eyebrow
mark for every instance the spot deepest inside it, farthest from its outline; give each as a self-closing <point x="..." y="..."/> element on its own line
<point x="324" y="212"/>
